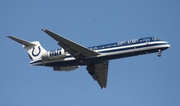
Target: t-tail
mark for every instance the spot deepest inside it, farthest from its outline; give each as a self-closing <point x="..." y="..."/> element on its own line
<point x="34" y="49"/>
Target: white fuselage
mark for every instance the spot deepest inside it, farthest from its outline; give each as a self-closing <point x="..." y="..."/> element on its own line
<point x="111" y="51"/>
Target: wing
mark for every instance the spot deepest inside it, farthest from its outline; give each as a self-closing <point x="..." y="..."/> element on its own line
<point x="76" y="50"/>
<point x="99" y="72"/>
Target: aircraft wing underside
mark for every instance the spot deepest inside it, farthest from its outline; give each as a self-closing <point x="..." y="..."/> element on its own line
<point x="76" y="50"/>
<point x="99" y="72"/>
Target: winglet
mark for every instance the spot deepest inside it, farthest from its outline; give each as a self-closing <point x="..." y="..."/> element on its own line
<point x="23" y="42"/>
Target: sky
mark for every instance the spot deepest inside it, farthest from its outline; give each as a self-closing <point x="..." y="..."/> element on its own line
<point x="135" y="81"/>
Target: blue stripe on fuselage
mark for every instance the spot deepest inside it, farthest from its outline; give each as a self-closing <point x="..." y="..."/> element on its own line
<point x="125" y="43"/>
<point x="128" y="48"/>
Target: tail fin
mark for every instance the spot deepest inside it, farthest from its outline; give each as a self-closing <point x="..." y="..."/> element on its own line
<point x="34" y="49"/>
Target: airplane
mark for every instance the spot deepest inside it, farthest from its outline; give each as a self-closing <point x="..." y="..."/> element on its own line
<point x="71" y="55"/>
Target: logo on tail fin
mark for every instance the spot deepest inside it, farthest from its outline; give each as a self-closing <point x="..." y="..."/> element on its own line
<point x="36" y="53"/>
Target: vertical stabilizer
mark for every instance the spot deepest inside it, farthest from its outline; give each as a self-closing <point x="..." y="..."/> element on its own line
<point x="34" y="49"/>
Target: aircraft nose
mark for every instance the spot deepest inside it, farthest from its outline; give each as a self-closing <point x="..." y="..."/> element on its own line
<point x="167" y="44"/>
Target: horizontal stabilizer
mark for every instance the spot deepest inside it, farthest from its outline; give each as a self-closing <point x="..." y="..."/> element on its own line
<point x="34" y="49"/>
<point x="23" y="42"/>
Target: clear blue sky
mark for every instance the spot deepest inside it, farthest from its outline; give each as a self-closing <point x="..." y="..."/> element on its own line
<point x="136" y="81"/>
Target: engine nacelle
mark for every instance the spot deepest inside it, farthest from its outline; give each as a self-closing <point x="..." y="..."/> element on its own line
<point x="67" y="68"/>
<point x="54" y="54"/>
